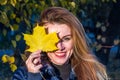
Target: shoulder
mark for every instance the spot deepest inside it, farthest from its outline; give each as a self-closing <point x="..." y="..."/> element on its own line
<point x="20" y="74"/>
<point x="73" y="75"/>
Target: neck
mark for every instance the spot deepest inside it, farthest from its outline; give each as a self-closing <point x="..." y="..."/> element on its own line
<point x="64" y="70"/>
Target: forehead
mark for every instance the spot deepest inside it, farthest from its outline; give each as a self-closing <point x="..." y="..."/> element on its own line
<point x="58" y="28"/>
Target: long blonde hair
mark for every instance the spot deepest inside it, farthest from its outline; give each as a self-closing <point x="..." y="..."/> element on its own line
<point x="84" y="63"/>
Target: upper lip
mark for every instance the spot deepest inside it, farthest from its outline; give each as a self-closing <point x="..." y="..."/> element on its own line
<point x="60" y="51"/>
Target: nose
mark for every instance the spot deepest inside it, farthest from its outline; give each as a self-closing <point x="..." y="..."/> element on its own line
<point x="60" y="46"/>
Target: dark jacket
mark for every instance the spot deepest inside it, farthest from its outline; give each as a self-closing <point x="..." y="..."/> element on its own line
<point x="23" y="74"/>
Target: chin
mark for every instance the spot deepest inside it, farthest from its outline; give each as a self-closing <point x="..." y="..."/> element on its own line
<point x="59" y="62"/>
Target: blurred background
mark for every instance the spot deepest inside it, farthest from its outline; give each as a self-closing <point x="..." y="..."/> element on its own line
<point x="100" y="18"/>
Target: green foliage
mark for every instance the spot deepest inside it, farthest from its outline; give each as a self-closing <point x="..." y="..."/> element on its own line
<point x="13" y="13"/>
<point x="4" y="70"/>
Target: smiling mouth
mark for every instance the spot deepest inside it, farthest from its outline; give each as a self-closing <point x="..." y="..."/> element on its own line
<point x="60" y="54"/>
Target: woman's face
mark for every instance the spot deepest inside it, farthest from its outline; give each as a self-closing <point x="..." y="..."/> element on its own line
<point x="65" y="45"/>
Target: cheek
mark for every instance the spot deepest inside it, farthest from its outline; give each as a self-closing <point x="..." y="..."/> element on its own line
<point x="70" y="45"/>
<point x="50" y="55"/>
<point x="70" y="53"/>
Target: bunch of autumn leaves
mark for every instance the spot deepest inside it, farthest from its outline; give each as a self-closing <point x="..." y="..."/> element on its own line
<point x="10" y="60"/>
<point x="38" y="40"/>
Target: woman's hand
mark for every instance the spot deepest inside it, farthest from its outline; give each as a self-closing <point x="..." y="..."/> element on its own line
<point x="33" y="62"/>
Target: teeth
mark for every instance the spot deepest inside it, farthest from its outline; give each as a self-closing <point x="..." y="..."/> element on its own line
<point x="60" y="54"/>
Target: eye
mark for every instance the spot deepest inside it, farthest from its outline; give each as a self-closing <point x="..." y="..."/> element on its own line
<point x="65" y="39"/>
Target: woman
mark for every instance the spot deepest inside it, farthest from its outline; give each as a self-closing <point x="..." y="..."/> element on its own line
<point x="72" y="61"/>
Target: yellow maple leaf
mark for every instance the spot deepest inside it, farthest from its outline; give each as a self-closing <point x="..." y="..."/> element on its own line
<point x="9" y="59"/>
<point x="40" y="40"/>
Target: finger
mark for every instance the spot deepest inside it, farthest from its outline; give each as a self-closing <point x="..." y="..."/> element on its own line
<point x="35" y="69"/>
<point x="37" y="52"/>
<point x="33" y="56"/>
<point x="36" y="61"/>
<point x="38" y="67"/>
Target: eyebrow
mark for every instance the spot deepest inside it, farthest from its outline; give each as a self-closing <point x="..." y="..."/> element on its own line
<point x="66" y="36"/>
